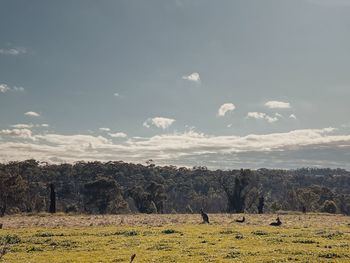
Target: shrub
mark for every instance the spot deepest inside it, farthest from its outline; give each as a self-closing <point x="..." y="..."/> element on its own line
<point x="10" y="239"/>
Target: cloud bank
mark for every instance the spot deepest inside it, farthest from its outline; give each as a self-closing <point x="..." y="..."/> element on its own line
<point x="307" y="147"/>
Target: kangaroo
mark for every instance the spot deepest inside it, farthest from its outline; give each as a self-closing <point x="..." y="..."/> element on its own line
<point x="240" y="220"/>
<point x="277" y="223"/>
<point x="205" y="217"/>
<point x="132" y="258"/>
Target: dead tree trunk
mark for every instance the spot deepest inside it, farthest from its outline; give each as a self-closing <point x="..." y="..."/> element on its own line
<point x="52" y="208"/>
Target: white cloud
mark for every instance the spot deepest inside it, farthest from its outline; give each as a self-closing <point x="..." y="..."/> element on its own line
<point x="105" y="129"/>
<point x="22" y="126"/>
<point x="261" y="116"/>
<point x="116" y="94"/>
<point x="32" y="114"/>
<point x="29" y="126"/>
<point x="159" y="122"/>
<point x="4" y="88"/>
<point x="21" y="133"/>
<point x="274" y="104"/>
<point x="224" y="108"/>
<point x="118" y="135"/>
<point x="192" y="77"/>
<point x="292" y="116"/>
<point x="13" y="51"/>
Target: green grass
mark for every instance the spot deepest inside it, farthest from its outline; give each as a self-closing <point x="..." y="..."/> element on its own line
<point x="171" y="239"/>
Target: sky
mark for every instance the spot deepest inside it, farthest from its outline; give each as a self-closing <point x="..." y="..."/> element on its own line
<point x="224" y="84"/>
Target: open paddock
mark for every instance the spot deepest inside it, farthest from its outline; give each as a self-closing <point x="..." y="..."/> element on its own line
<point x="175" y="238"/>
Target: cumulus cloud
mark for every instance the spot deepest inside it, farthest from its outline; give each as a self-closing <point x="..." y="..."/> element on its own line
<point x="118" y="135"/>
<point x="104" y="129"/>
<point x="192" y="77"/>
<point x="274" y="104"/>
<point x="224" y="108"/>
<point x="297" y="147"/>
<point x="116" y="94"/>
<point x="32" y="114"/>
<point x="159" y="122"/>
<point x="13" y="51"/>
<point x="262" y="116"/>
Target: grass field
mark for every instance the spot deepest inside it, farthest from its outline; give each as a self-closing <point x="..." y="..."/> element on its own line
<point x="175" y="238"/>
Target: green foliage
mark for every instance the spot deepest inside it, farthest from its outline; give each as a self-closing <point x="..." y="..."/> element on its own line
<point x="118" y="187"/>
<point x="12" y="189"/>
<point x="10" y="239"/>
<point x="103" y="196"/>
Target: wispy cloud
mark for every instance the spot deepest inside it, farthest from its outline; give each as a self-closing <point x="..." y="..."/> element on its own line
<point x="224" y="108"/>
<point x="274" y="104"/>
<point x="104" y="129"/>
<point x="29" y="126"/>
<point x="32" y="114"/>
<point x="23" y="126"/>
<point x="159" y="122"/>
<point x="194" y="77"/>
<point x="13" y="51"/>
<point x="118" y="135"/>
<point x="5" y="88"/>
<point x="262" y="116"/>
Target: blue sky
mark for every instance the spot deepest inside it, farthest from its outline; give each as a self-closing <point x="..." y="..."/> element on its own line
<point x="225" y="84"/>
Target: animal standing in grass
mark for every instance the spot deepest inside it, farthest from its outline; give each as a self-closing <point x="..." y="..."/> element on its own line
<point x="277" y="223"/>
<point x="205" y="217"/>
<point x="240" y="220"/>
<point x="132" y="258"/>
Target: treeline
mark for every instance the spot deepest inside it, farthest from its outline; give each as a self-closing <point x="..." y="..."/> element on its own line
<point x="118" y="187"/>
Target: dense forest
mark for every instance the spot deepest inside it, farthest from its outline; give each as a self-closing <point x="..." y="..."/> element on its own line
<point x="118" y="187"/>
